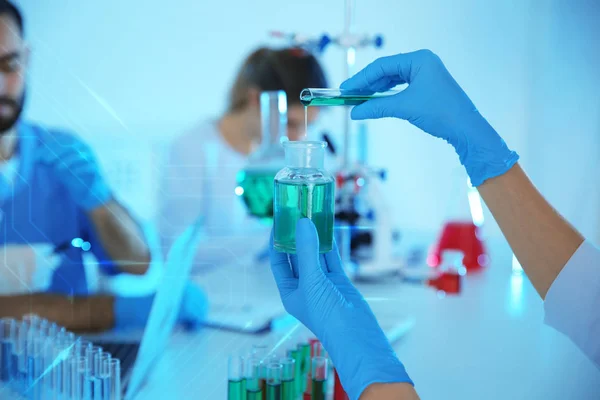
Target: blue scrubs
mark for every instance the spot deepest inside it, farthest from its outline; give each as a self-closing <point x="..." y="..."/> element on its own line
<point x="38" y="209"/>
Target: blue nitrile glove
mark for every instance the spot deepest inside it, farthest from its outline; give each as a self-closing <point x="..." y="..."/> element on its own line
<point x="77" y="168"/>
<point x="435" y="103"/>
<point x="133" y="312"/>
<point x="316" y="291"/>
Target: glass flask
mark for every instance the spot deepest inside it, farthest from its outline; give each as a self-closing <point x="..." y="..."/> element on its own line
<point x="303" y="189"/>
<point x="255" y="181"/>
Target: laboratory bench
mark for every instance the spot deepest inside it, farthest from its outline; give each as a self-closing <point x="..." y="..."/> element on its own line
<point x="489" y="343"/>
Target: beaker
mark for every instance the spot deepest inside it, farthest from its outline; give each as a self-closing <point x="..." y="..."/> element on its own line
<point x="303" y="189"/>
<point x="255" y="181"/>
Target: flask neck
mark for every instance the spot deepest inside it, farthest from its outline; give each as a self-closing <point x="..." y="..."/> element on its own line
<point x="305" y="158"/>
<point x="273" y="113"/>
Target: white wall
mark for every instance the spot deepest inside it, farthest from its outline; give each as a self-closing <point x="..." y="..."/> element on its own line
<point x="140" y="70"/>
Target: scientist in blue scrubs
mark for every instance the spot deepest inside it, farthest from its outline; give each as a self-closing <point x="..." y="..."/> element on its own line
<point x="561" y="264"/>
<point x="54" y="205"/>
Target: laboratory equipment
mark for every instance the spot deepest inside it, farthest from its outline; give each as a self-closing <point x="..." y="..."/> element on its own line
<point x="114" y="385"/>
<point x="47" y="362"/>
<point x="288" y="373"/>
<point x="254" y="390"/>
<point x="236" y="386"/>
<point x="79" y="376"/>
<point x="303" y="189"/>
<point x="274" y="381"/>
<point x="360" y="202"/>
<point x="462" y="230"/>
<point x="464" y="236"/>
<point x="8" y="332"/>
<point x="104" y="375"/>
<point x="325" y="97"/>
<point x="92" y="382"/>
<point x="316" y="348"/>
<point x="255" y="181"/>
<point x="319" y="373"/>
<point x="311" y="308"/>
<point x="447" y="278"/>
<point x="35" y="367"/>
<point x="296" y="355"/>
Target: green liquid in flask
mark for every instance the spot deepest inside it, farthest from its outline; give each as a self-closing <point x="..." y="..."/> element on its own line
<point x="258" y="191"/>
<point x="296" y="200"/>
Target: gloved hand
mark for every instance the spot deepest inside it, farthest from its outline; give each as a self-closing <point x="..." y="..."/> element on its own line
<point x="316" y="291"/>
<point x="77" y="168"/>
<point x="133" y="312"/>
<point x="435" y="103"/>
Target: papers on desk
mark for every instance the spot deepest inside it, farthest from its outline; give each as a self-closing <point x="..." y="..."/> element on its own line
<point x="246" y="299"/>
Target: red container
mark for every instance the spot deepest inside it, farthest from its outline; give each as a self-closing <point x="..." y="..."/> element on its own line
<point x="448" y="282"/>
<point x="463" y="236"/>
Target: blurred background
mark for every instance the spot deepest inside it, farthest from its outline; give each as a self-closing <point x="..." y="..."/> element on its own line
<point x="130" y="75"/>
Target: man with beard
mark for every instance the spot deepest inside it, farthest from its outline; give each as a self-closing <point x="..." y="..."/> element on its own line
<point x="54" y="205"/>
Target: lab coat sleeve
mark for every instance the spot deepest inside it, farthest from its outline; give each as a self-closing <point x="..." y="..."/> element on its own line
<point x="572" y="304"/>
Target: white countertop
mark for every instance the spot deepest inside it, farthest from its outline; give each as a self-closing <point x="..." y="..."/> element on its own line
<point x="487" y="343"/>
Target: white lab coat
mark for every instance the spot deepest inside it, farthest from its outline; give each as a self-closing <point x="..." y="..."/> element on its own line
<point x="199" y="178"/>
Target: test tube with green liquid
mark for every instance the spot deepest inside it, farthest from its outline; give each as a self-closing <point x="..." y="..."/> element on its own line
<point x="319" y="374"/>
<point x="274" y="381"/>
<point x="339" y="97"/>
<point x="295" y="354"/>
<point x="288" y="373"/>
<point x="254" y="391"/>
<point x="236" y="389"/>
<point x="304" y="350"/>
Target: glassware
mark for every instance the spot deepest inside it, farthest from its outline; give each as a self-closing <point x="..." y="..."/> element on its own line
<point x="303" y="189"/>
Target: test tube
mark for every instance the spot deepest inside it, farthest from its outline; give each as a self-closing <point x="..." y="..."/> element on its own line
<point x="339" y="97"/>
<point x="274" y="381"/>
<point x="8" y="332"/>
<point x="19" y="359"/>
<point x="32" y="320"/>
<point x="34" y="367"/>
<point x="49" y="329"/>
<point x="319" y="373"/>
<point x="113" y="391"/>
<point x="236" y="389"/>
<point x="295" y="354"/>
<point x="104" y="377"/>
<point x="304" y="350"/>
<point x="288" y="371"/>
<point x="316" y="349"/>
<point x="77" y="372"/>
<point x="260" y="351"/>
<point x="50" y="364"/>
<point x="67" y="349"/>
<point x="254" y="390"/>
<point x="94" y="353"/>
<point x="63" y="352"/>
